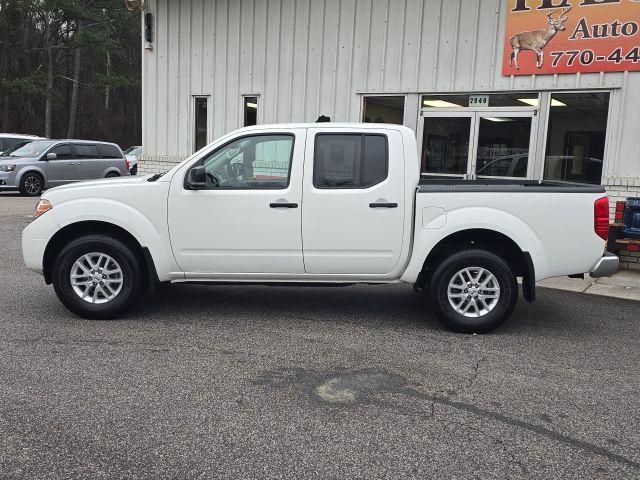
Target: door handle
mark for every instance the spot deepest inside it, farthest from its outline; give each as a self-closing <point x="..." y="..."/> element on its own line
<point x="383" y="205"/>
<point x="283" y="205"/>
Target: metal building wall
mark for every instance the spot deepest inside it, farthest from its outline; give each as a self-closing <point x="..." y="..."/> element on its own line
<point x="310" y="57"/>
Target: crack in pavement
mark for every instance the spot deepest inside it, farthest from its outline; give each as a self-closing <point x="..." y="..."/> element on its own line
<point x="533" y="428"/>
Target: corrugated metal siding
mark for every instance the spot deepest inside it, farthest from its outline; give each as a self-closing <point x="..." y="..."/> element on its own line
<point x="310" y="57"/>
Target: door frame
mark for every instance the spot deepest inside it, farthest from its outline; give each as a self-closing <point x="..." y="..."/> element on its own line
<point x="476" y="114"/>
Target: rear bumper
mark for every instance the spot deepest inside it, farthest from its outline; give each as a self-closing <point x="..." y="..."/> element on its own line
<point x="607" y="266"/>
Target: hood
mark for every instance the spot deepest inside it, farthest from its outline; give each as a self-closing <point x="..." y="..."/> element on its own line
<point x="103" y="182"/>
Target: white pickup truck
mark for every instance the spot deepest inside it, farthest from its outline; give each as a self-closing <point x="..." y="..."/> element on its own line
<point x="322" y="204"/>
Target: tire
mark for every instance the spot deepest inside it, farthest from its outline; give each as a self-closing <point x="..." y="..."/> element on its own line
<point x="111" y="175"/>
<point x="31" y="184"/>
<point x="134" y="170"/>
<point x="486" y="308"/>
<point x="124" y="287"/>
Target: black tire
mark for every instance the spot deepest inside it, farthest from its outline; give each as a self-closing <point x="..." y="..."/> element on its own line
<point x="31" y="184"/>
<point x="132" y="277"/>
<point x="445" y="273"/>
<point x="111" y="175"/>
<point x="134" y="170"/>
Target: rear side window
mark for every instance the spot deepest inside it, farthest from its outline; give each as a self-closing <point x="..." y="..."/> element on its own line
<point x="350" y="161"/>
<point x="109" y="151"/>
<point x="85" y="151"/>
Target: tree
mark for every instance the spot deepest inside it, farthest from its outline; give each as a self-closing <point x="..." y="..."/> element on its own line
<point x="70" y="68"/>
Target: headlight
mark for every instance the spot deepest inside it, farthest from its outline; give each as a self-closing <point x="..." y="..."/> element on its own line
<point x="43" y="207"/>
<point x="7" y="168"/>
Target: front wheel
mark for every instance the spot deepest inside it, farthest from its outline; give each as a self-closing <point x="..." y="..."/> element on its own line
<point x="31" y="184"/>
<point x="473" y="291"/>
<point x="98" y="277"/>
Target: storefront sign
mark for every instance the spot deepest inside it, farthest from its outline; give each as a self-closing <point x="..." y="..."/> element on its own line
<point x="569" y="36"/>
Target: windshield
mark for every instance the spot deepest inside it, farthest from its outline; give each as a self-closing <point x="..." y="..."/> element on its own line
<point x="31" y="149"/>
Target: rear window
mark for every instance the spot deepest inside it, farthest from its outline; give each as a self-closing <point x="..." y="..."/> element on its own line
<point x="85" y="151"/>
<point x="109" y="151"/>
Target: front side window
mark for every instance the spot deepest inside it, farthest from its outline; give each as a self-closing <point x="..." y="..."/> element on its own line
<point x="350" y="161"/>
<point x="256" y="162"/>
<point x="63" y="152"/>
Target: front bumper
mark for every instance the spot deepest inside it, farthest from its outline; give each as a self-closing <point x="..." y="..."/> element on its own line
<point x="607" y="266"/>
<point x="8" y="180"/>
<point x="35" y="238"/>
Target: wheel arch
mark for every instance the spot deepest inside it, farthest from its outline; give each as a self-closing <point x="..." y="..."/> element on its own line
<point x="73" y="230"/>
<point x="487" y="239"/>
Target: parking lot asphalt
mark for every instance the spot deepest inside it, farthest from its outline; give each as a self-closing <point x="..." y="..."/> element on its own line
<point x="356" y="382"/>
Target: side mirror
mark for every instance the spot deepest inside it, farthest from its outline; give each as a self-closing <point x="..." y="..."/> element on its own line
<point x="51" y="156"/>
<point x="197" y="178"/>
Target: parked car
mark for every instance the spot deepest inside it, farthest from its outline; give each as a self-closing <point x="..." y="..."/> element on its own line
<point x="10" y="141"/>
<point x="132" y="154"/>
<point x="43" y="164"/>
<point x="317" y="203"/>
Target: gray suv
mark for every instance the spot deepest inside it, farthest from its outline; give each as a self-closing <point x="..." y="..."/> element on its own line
<point x="44" y="164"/>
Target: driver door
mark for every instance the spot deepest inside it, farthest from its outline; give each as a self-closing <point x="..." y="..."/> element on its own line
<point x="247" y="221"/>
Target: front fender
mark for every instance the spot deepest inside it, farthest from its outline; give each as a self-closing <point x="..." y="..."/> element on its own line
<point x="30" y="168"/>
<point x="472" y="218"/>
<point x="148" y="234"/>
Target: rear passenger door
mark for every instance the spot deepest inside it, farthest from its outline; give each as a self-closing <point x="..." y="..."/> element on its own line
<point x="354" y="202"/>
<point x="88" y="161"/>
<point x="62" y="169"/>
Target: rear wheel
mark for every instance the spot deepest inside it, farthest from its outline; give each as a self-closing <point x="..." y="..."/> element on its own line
<point x="98" y="277"/>
<point x="31" y="184"/>
<point x="111" y="175"/>
<point x="473" y="291"/>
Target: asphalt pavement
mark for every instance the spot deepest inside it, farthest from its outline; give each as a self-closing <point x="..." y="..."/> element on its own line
<point x="264" y="382"/>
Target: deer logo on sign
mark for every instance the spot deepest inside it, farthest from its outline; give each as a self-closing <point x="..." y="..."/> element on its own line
<point x="536" y="40"/>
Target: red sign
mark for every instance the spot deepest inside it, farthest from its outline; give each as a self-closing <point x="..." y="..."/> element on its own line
<point x="567" y="36"/>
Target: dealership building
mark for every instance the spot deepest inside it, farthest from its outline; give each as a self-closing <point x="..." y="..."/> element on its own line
<point x="444" y="68"/>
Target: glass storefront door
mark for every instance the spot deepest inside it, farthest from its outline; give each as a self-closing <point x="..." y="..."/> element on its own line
<point x="477" y="144"/>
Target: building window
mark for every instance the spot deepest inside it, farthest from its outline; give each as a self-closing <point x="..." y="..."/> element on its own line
<point x="200" y="124"/>
<point x="350" y="161"/>
<point x="250" y="105"/>
<point x="576" y="137"/>
<point x="386" y="109"/>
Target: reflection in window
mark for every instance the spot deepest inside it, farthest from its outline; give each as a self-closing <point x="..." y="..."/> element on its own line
<point x="445" y="146"/>
<point x="384" y="110"/>
<point x="503" y="146"/>
<point x="250" y="111"/>
<point x="576" y="137"/>
<point x="261" y="161"/>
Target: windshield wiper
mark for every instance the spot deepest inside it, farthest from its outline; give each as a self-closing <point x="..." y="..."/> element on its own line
<point x="155" y="177"/>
